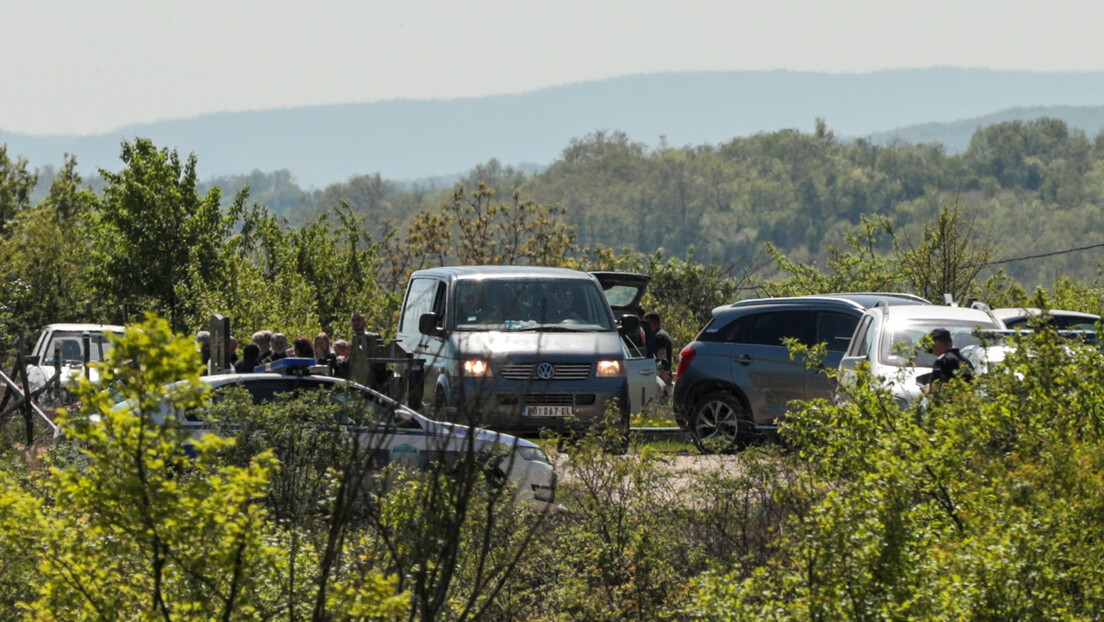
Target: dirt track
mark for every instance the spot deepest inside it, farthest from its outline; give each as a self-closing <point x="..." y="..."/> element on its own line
<point x="679" y="465"/>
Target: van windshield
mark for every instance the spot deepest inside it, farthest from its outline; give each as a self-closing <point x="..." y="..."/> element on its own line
<point x="546" y="305"/>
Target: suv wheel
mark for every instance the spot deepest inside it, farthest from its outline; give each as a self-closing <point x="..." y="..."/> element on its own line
<point x="720" y="421"/>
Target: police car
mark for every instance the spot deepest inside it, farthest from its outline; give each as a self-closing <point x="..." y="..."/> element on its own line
<point x="400" y="435"/>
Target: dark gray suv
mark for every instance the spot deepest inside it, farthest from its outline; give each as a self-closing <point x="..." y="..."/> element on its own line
<point x="737" y="376"/>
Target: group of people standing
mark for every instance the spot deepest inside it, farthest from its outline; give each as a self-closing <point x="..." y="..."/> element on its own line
<point x="267" y="346"/>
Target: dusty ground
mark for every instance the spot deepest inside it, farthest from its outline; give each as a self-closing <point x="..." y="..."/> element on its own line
<point x="679" y="465"/>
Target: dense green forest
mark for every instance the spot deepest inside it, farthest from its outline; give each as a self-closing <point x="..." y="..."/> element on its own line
<point x="721" y="221"/>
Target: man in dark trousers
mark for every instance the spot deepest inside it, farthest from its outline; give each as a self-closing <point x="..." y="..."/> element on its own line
<point x="660" y="346"/>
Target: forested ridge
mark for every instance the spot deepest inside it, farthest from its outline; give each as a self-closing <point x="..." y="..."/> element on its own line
<point x="1036" y="187"/>
<point x="153" y="236"/>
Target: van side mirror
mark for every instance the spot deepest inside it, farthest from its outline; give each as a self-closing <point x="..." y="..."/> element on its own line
<point x="629" y="324"/>
<point x="427" y="324"/>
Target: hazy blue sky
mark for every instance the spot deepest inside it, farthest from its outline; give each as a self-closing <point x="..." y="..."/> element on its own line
<point x="87" y="67"/>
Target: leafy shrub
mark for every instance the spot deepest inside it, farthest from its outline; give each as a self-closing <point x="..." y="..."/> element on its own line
<point x="135" y="528"/>
<point x="978" y="503"/>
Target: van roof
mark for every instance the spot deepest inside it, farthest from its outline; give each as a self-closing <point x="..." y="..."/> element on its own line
<point x="492" y="272"/>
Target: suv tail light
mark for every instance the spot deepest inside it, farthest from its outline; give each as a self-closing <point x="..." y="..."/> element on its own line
<point x="685" y="356"/>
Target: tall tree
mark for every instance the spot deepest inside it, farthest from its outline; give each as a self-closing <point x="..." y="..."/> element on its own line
<point x="44" y="257"/>
<point x="156" y="233"/>
<point x="476" y="229"/>
<point x="948" y="257"/>
<point x="16" y="184"/>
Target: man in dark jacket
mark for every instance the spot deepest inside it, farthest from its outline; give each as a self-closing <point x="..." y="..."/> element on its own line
<point x="660" y="346"/>
<point x="251" y="356"/>
<point x="949" y="362"/>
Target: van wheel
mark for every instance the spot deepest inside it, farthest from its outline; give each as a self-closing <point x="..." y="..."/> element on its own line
<point x="720" y="422"/>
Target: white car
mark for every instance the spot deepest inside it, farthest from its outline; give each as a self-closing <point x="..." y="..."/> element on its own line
<point x="400" y="435"/>
<point x="887" y="337"/>
<point x="985" y="357"/>
<point x="1020" y="317"/>
<point x="63" y="347"/>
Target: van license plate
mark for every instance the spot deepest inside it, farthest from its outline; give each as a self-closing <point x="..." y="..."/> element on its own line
<point x="547" y="411"/>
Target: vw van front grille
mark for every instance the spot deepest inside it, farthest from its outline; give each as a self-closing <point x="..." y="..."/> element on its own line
<point x="548" y="399"/>
<point x="562" y="371"/>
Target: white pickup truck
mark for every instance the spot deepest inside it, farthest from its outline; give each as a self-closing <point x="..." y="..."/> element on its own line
<point x="68" y="348"/>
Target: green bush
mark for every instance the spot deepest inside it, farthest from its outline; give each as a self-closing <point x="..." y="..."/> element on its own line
<point x="136" y="529"/>
<point x="980" y="503"/>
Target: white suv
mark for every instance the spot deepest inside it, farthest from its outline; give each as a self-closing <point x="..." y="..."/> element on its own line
<point x="887" y="338"/>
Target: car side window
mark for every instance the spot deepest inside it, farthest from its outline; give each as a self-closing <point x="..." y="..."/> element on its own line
<point x="439" y="302"/>
<point x="863" y="335"/>
<point x="771" y="328"/>
<point x="631" y="350"/>
<point x="835" y="329"/>
<point x="265" y="391"/>
<point x="371" y="409"/>
<point x="720" y="329"/>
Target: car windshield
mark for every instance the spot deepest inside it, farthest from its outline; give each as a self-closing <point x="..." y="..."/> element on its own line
<point x="902" y="338"/>
<point x="69" y="345"/>
<point x="546" y="305"/>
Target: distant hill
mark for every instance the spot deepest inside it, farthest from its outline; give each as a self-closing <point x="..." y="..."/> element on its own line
<point x="408" y="139"/>
<point x="955" y="136"/>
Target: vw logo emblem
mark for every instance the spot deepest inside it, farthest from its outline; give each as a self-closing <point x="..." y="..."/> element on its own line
<point x="545" y="371"/>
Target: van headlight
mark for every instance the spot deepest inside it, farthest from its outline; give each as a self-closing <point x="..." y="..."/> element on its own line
<point x="609" y="369"/>
<point x="476" y="368"/>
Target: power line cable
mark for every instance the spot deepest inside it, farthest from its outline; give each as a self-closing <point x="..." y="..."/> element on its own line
<point x="991" y="263"/>
<point x="1050" y="254"/>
